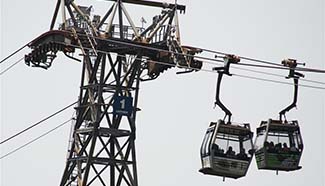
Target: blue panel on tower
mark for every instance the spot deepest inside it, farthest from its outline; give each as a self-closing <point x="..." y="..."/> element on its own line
<point x="123" y="105"/>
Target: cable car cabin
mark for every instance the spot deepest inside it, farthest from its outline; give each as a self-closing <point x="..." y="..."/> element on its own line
<point x="278" y="145"/>
<point x="226" y="150"/>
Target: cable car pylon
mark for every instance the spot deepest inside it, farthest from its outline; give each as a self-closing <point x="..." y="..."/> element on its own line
<point x="102" y="147"/>
<point x="278" y="145"/>
<point x="223" y="150"/>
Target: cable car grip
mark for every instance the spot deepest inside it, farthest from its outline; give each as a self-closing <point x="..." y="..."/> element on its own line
<point x="228" y="59"/>
<point x="292" y="64"/>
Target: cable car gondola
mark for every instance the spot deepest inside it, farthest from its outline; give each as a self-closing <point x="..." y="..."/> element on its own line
<point x="227" y="147"/>
<point x="226" y="150"/>
<point x="278" y="145"/>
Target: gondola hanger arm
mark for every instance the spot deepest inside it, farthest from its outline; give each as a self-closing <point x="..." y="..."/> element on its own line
<point x="228" y="59"/>
<point x="292" y="64"/>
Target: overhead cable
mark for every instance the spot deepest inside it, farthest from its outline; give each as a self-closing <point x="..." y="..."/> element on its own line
<point x="32" y="141"/>
<point x="190" y="68"/>
<point x="283" y="68"/>
<point x="276" y="75"/>
<point x="275" y="81"/>
<point x="279" y="66"/>
<point x="213" y="59"/>
<point x="38" y="123"/>
<point x="15" y="52"/>
<point x="11" y="152"/>
<point x="242" y="57"/>
<point x="1" y="73"/>
<point x="43" y="120"/>
<point x="244" y="76"/>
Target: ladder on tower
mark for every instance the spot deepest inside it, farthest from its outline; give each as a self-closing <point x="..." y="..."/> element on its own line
<point x="91" y="40"/>
<point x="93" y="53"/>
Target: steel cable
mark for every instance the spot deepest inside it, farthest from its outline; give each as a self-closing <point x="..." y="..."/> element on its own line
<point x="279" y="66"/>
<point x="35" y="139"/>
<point x="1" y="73"/>
<point x="15" y="52"/>
<point x="190" y="68"/>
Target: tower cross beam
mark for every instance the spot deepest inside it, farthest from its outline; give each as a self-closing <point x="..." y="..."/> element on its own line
<point x="154" y="4"/>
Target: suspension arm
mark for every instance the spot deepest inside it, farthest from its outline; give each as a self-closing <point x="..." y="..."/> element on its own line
<point x="218" y="102"/>
<point x="295" y="97"/>
<point x="292" y="64"/>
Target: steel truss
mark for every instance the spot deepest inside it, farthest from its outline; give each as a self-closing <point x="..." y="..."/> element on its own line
<point x="102" y="145"/>
<point x="103" y="142"/>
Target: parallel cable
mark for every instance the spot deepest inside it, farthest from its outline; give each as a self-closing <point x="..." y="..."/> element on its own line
<point x="15" y="52"/>
<point x="38" y="123"/>
<point x="32" y="141"/>
<point x="277" y="75"/>
<point x="186" y="55"/>
<point x="244" y="76"/>
<point x="313" y="81"/>
<point x="1" y="73"/>
<point x="242" y="57"/>
<point x="191" y="68"/>
<point x="279" y="66"/>
<point x="48" y="132"/>
<point x="275" y="81"/>
<point x="257" y="71"/>
<point x="43" y="120"/>
<point x="283" y="68"/>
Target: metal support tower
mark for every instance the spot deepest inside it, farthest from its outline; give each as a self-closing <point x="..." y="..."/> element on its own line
<point x="103" y="141"/>
<point x="102" y="145"/>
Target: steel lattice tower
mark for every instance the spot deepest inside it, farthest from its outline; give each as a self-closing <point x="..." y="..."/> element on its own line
<point x="103" y="140"/>
<point x="102" y="145"/>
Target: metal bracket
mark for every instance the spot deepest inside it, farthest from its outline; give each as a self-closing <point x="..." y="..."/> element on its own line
<point x="228" y="59"/>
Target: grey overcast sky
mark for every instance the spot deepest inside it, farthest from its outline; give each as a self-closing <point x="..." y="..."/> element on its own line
<point x="176" y="109"/>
